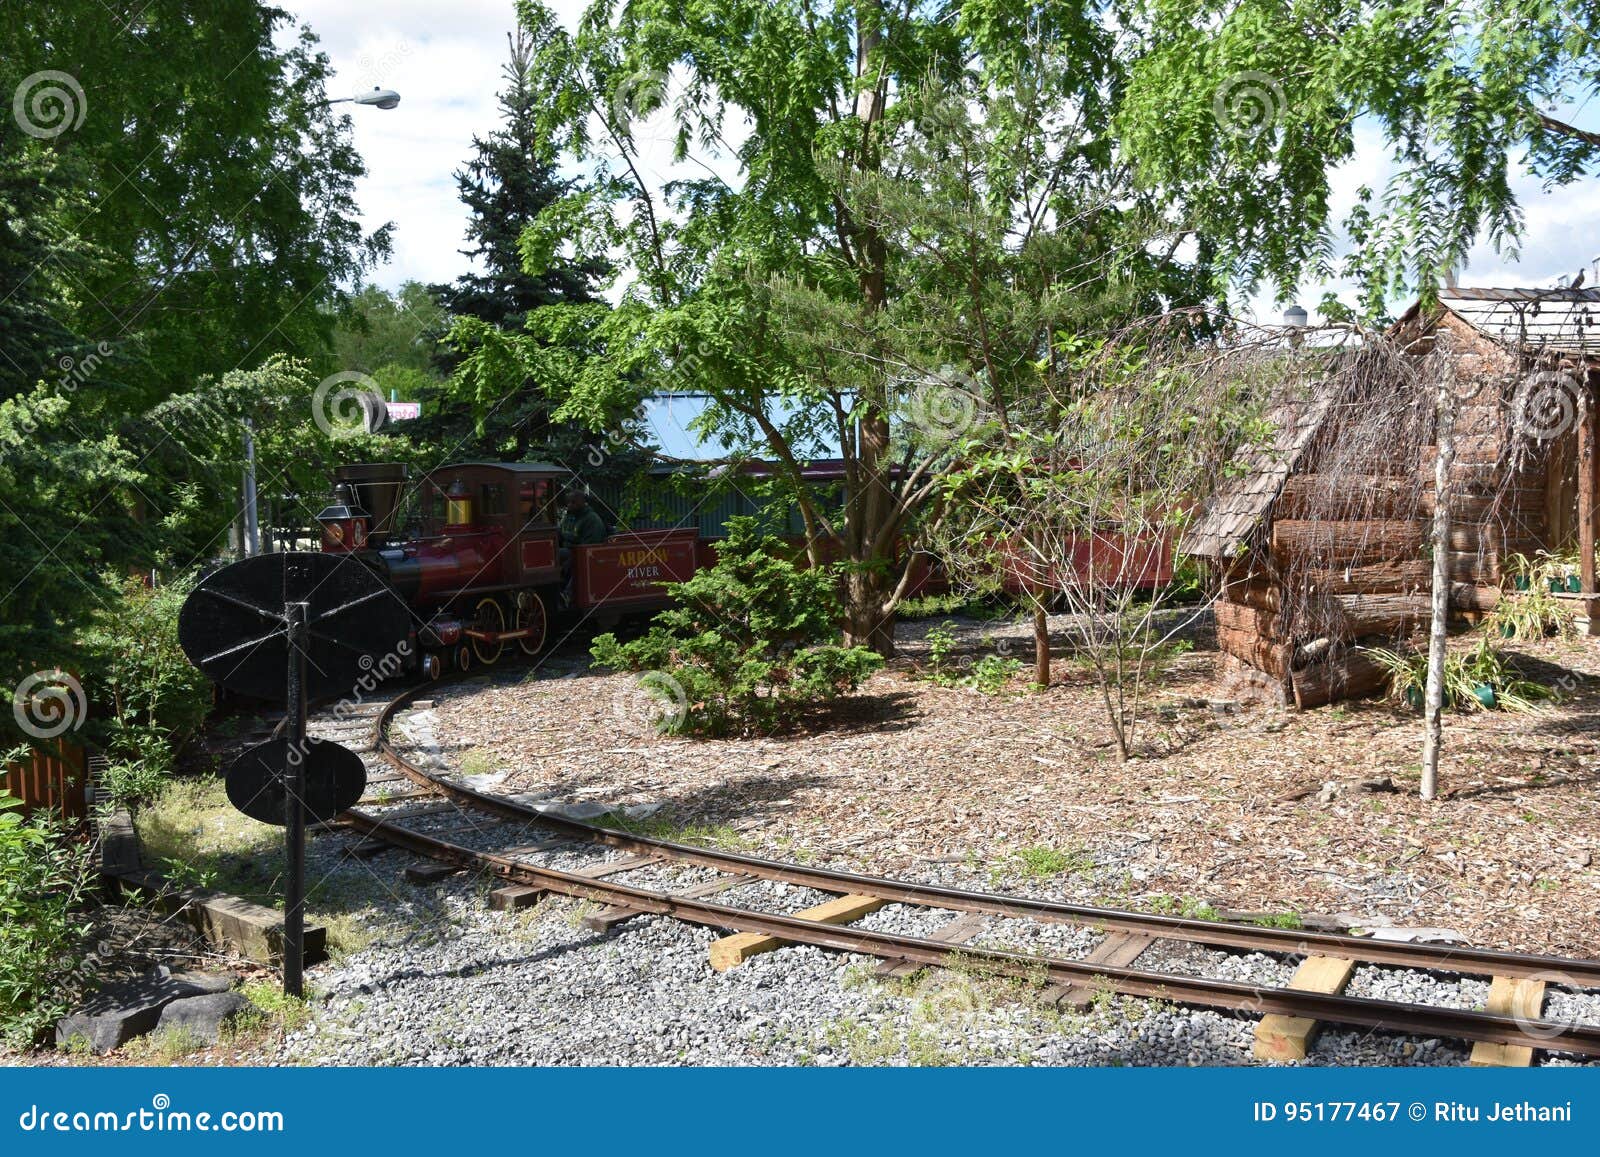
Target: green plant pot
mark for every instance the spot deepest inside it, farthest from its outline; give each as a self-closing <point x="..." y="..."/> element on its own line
<point x="1557" y="586"/>
<point x="1485" y="695"/>
<point x="1522" y="582"/>
<point x="1508" y="630"/>
<point x="1574" y="584"/>
<point x="1415" y="697"/>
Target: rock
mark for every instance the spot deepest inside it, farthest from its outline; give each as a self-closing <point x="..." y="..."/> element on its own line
<point x="202" y="1017"/>
<point x="120" y="1013"/>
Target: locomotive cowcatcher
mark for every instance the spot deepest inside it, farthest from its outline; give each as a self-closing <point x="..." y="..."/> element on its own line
<point x="478" y="557"/>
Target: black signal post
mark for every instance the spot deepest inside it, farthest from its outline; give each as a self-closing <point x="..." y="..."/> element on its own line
<point x="293" y="627"/>
<point x="294" y="827"/>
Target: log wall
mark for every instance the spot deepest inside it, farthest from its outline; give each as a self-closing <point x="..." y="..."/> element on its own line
<point x="1317" y="585"/>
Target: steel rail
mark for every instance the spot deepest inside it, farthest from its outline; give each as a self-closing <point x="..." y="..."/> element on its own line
<point x="1461" y="959"/>
<point x="1227" y="995"/>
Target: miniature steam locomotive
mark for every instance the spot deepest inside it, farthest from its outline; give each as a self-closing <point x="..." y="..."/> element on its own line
<point x="474" y="551"/>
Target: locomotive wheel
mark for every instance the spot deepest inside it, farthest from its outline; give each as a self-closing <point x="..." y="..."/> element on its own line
<point x="463" y="658"/>
<point x="488" y="616"/>
<point x="531" y="617"/>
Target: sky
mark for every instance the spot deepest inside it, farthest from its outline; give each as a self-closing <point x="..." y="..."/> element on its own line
<point x="445" y="59"/>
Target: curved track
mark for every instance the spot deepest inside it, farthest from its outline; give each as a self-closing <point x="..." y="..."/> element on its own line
<point x="625" y="900"/>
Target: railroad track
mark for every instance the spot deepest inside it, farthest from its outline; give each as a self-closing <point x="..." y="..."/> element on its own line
<point x="1509" y="1032"/>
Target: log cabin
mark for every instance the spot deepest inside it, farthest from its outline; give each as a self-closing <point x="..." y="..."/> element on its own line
<point x="1323" y="540"/>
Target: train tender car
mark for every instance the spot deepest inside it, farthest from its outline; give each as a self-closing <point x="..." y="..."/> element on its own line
<point x="479" y="558"/>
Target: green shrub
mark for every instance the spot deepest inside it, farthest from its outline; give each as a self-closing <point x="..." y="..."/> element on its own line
<point x="44" y="877"/>
<point x="157" y="699"/>
<point x="1465" y="674"/>
<point x="748" y="641"/>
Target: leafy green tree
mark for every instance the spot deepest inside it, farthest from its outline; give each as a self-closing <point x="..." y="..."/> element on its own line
<point x="219" y="183"/>
<point x="380" y="329"/>
<point x="45" y="878"/>
<point x="813" y="299"/>
<point x="1239" y="110"/>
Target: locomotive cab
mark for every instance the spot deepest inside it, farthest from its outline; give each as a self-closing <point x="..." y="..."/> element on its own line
<point x="480" y="564"/>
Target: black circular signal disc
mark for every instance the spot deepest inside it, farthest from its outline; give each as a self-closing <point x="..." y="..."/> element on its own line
<point x="232" y="625"/>
<point x="332" y="777"/>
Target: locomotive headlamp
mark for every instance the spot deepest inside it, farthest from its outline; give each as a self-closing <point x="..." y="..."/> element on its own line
<point x="458" y="510"/>
<point x="344" y="522"/>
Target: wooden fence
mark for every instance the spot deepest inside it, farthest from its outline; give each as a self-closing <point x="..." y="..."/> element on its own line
<point x="55" y="777"/>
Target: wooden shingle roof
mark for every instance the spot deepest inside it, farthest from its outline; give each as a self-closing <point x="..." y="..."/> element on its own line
<point x="1557" y="320"/>
<point x="1236" y="510"/>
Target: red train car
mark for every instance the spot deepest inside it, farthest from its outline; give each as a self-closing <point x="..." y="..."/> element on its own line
<point x="473" y="548"/>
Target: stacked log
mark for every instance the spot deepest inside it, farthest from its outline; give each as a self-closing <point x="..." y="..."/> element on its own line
<point x="1252" y="635"/>
<point x="1348" y="675"/>
<point x="1357" y="542"/>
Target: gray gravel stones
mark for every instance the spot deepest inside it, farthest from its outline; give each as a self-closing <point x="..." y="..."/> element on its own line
<point x="453" y="984"/>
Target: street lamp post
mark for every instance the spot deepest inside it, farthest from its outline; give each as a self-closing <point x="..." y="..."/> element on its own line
<point x="250" y="533"/>
<point x="378" y="97"/>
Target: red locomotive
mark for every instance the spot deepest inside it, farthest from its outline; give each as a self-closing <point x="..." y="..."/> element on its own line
<point x="479" y="558"/>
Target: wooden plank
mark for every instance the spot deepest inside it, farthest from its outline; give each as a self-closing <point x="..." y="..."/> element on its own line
<point x="1588" y="483"/>
<point x="611" y="915"/>
<point x="617" y="867"/>
<point x="1286" y="1038"/>
<point x="1357" y="542"/>
<point x="734" y="950"/>
<point x="963" y="928"/>
<point x="429" y="873"/>
<point x="514" y="896"/>
<point x="1116" y="950"/>
<point x="1523" y="999"/>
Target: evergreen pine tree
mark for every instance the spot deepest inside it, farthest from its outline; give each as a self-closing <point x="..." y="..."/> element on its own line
<point x="506" y="184"/>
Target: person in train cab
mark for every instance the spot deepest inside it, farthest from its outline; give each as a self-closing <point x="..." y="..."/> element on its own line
<point x="580" y="525"/>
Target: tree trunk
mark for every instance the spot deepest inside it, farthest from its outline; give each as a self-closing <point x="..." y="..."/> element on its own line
<point x="1041" y="647"/>
<point x="1433" y="702"/>
<point x="871" y="512"/>
<point x="867" y="588"/>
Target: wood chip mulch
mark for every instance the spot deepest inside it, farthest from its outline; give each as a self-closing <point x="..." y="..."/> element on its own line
<point x="1256" y="809"/>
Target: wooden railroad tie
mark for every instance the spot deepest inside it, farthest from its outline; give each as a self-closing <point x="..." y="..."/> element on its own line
<point x="1523" y="999"/>
<point x="732" y="951"/>
<point x="430" y="873"/>
<point x="963" y="928"/>
<point x="611" y="915"/>
<point x="1286" y="1038"/>
<point x="1115" y="950"/>
<point x="515" y="896"/>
